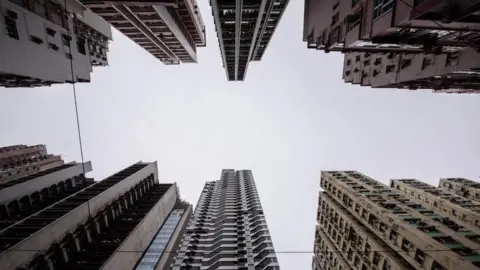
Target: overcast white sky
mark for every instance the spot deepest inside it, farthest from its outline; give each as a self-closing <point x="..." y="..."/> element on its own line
<point x="291" y="118"/>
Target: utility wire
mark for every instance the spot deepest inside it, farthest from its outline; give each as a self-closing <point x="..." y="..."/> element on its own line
<point x="75" y="94"/>
<point x="472" y="43"/>
<point x="277" y="252"/>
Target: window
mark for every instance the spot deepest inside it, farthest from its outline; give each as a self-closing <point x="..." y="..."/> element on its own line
<point x="426" y="62"/>
<point x="389" y="68"/>
<point x="437" y="266"/>
<point x="336" y="5"/>
<point x="452" y="59"/>
<point x="335" y="18"/>
<point x="68" y="55"/>
<point x="53" y="46"/>
<point x="406" y="245"/>
<point x="66" y="40"/>
<point x="354" y="2"/>
<point x="381" y="7"/>
<point x="36" y="39"/>
<point x="357" y="58"/>
<point x="51" y="32"/>
<point x="386" y="265"/>
<point x="81" y="46"/>
<point x="11" y="24"/>
<point x="419" y="256"/>
<point x="376" y="258"/>
<point x="405" y="63"/>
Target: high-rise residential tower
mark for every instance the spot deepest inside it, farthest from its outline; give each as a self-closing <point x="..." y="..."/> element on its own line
<point x="171" y="30"/>
<point x="21" y="160"/>
<point x="410" y="44"/>
<point x="58" y="34"/>
<point x="59" y="219"/>
<point x="364" y="224"/>
<point x="228" y="229"/>
<point x="244" y="29"/>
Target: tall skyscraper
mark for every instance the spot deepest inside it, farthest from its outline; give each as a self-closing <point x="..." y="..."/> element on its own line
<point x="21" y="160"/>
<point x="59" y="219"/>
<point x="244" y="29"/>
<point x="228" y="229"/>
<point x="55" y="33"/>
<point x="399" y="43"/>
<point x="171" y="30"/>
<point x="364" y="224"/>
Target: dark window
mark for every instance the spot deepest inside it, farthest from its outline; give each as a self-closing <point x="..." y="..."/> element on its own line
<point x="405" y="63"/>
<point x="53" y="46"/>
<point x="426" y="62"/>
<point x="36" y="39"/>
<point x="386" y="265"/>
<point x="419" y="256"/>
<point x="336" y="5"/>
<point x="81" y="46"/>
<point x="11" y="24"/>
<point x="389" y="68"/>
<point x="381" y="7"/>
<point x="406" y="245"/>
<point x="335" y="18"/>
<point x="357" y="58"/>
<point x="376" y="258"/>
<point x="354" y="2"/>
<point x="349" y="62"/>
<point x="68" y="55"/>
<point x="452" y="59"/>
<point x="12" y="14"/>
<point x="51" y="32"/>
<point x="437" y="266"/>
<point x="66" y="40"/>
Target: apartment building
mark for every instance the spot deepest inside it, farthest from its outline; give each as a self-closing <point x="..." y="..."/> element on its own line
<point x="63" y="220"/>
<point x="228" y="229"/>
<point x="21" y="160"/>
<point x="400" y="43"/>
<point x="170" y="30"/>
<point x="244" y="30"/>
<point x="461" y="186"/>
<point x="57" y="34"/>
<point x="408" y="225"/>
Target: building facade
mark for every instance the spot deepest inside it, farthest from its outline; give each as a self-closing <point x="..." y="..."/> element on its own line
<point x="57" y="34"/>
<point x="21" y="160"/>
<point x="63" y="220"/>
<point x="228" y="229"/>
<point x="400" y="43"/>
<point x="170" y="30"/>
<point x="362" y="223"/>
<point x="244" y="29"/>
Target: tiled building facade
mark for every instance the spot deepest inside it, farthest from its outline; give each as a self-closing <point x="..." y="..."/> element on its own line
<point x="409" y="225"/>
<point x="21" y="160"/>
<point x="228" y="229"/>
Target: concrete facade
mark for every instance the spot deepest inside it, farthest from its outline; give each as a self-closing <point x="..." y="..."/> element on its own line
<point x="104" y="225"/>
<point x="392" y="228"/>
<point x="170" y="30"/>
<point x="48" y="32"/>
<point x="405" y="31"/>
<point x="244" y="29"/>
<point x="228" y="229"/>
<point x="21" y="160"/>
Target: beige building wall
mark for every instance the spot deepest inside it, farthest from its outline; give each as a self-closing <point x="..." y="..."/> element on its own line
<point x="417" y="235"/>
<point x="18" y="161"/>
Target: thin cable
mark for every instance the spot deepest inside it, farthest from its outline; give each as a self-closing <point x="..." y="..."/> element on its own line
<point x="75" y="97"/>
<point x="278" y="252"/>
<point x="460" y="38"/>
